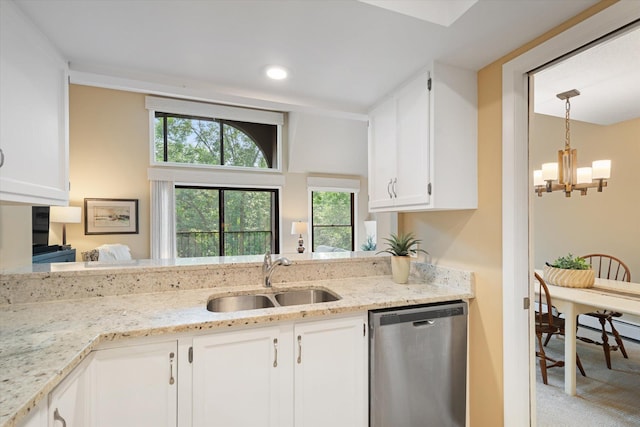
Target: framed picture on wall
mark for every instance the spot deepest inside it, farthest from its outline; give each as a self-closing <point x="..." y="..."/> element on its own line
<point x="111" y="216"/>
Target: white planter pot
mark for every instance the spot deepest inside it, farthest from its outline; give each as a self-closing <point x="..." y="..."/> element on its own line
<point x="569" y="278"/>
<point x="400" y="266"/>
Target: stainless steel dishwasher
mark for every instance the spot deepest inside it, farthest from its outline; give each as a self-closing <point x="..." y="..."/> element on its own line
<point x="418" y="366"/>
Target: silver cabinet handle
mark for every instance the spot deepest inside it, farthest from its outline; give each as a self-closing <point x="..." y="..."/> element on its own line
<point x="1" y="157"/>
<point x="58" y="417"/>
<point x="171" y="379"/>
<point x="275" y="350"/>
<point x="388" y="188"/>
<point x="299" y="349"/>
<point x="393" y="187"/>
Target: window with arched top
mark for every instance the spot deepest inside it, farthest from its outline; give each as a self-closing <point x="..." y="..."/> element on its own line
<point x="197" y="134"/>
<point x="192" y="140"/>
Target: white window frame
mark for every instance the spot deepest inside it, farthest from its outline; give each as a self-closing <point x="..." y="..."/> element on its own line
<point x="336" y="185"/>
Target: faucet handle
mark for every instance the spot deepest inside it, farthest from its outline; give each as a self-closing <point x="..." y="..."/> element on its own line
<point x="267" y="261"/>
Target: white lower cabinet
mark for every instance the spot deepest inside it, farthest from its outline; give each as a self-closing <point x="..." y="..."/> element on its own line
<point x="331" y="373"/>
<point x="299" y="374"/>
<point x="287" y="374"/>
<point x="37" y="417"/>
<point x="68" y="402"/>
<point x="134" y="386"/>
<point x="238" y="377"/>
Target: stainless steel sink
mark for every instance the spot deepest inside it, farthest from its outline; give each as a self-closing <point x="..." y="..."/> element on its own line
<point x="239" y="302"/>
<point x="305" y="296"/>
<point x="223" y="304"/>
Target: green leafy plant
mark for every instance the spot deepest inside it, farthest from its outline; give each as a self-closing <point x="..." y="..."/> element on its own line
<point x="402" y="245"/>
<point x="570" y="263"/>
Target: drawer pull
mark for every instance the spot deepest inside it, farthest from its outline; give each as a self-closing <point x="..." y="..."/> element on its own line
<point x="58" y="417"/>
<point x="275" y="350"/>
<point x="171" y="379"/>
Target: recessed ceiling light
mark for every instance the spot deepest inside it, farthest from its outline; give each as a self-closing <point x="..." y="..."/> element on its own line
<point x="276" y="73"/>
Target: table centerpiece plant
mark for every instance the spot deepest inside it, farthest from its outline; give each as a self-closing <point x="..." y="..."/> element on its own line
<point x="570" y="272"/>
<point x="401" y="247"/>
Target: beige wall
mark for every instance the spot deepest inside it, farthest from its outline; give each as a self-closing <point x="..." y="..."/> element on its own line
<point x="14" y="226"/>
<point x="604" y="222"/>
<point x="473" y="240"/>
<point x="109" y="157"/>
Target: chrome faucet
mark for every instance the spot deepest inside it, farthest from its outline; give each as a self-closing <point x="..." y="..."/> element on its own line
<point x="269" y="265"/>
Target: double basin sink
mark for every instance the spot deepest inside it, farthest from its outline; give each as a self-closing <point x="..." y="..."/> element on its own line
<point x="225" y="304"/>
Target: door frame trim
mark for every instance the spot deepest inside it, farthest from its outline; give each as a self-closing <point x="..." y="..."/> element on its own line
<point x="519" y="384"/>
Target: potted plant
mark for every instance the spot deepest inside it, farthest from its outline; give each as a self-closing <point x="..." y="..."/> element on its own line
<point x="401" y="246"/>
<point x="570" y="272"/>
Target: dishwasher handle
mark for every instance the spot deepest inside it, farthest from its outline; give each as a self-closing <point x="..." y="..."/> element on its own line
<point x="421" y="315"/>
<point x="421" y="323"/>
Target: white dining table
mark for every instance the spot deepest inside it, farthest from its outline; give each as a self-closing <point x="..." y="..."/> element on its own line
<point x="623" y="297"/>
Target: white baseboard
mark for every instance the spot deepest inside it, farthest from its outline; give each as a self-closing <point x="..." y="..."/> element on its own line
<point x="626" y="328"/>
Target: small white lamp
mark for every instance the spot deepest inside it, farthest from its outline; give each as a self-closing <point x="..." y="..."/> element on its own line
<point x="300" y="228"/>
<point x="65" y="215"/>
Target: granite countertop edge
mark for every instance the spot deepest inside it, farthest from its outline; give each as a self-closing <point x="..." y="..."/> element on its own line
<point x="52" y="338"/>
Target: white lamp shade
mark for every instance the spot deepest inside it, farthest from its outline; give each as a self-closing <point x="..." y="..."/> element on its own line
<point x="298" y="227"/>
<point x="583" y="175"/>
<point x="549" y="171"/>
<point x="370" y="228"/>
<point x="65" y="214"/>
<point x="537" y="177"/>
<point x="601" y="169"/>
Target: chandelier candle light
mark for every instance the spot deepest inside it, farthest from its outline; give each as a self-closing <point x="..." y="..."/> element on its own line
<point x="566" y="172"/>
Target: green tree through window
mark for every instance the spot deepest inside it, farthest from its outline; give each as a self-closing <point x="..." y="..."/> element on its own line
<point x="208" y="141"/>
<point x="332" y="219"/>
<point x="225" y="221"/>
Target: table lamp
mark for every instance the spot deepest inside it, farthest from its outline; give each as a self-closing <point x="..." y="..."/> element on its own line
<point x="299" y="227"/>
<point x="65" y="215"/>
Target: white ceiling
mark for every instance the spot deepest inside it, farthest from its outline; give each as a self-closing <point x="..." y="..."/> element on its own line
<point x="607" y="76"/>
<point x="342" y="55"/>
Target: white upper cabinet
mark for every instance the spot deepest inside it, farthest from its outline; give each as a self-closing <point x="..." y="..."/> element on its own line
<point x="423" y="144"/>
<point x="33" y="114"/>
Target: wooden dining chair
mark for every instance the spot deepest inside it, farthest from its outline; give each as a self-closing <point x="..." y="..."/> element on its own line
<point x="547" y="323"/>
<point x="608" y="267"/>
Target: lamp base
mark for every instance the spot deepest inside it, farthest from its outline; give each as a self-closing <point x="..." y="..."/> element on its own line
<point x="300" y="245"/>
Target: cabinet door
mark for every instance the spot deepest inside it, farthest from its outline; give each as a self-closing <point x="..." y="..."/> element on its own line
<point x="239" y="378"/>
<point x="330" y="373"/>
<point x="33" y="113"/>
<point x="68" y="402"/>
<point x="135" y="386"/>
<point x="37" y="417"/>
<point x="412" y="146"/>
<point x="382" y="155"/>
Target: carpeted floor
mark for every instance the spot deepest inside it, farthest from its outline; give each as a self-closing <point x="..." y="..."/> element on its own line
<point x="605" y="397"/>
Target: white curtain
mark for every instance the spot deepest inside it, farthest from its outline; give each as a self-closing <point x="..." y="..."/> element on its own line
<point x="163" y="228"/>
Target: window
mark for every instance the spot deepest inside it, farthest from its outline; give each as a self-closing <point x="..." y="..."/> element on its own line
<point x="225" y="221"/>
<point x="332" y="219"/>
<point x="197" y="134"/>
<point x="208" y="141"/>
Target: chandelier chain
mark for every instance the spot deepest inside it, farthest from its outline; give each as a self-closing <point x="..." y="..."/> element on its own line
<point x="567" y="132"/>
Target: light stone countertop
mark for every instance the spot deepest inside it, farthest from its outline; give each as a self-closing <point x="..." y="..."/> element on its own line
<point x="41" y="342"/>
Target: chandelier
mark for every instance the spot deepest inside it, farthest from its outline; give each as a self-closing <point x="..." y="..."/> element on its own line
<point x="565" y="175"/>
